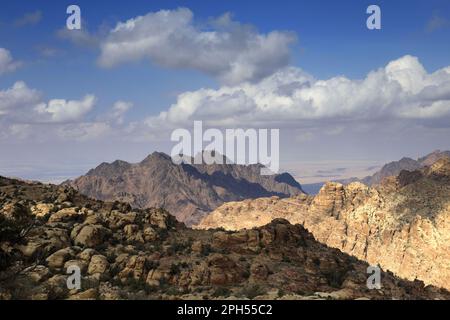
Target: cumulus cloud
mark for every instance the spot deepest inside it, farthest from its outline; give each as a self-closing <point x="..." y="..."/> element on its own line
<point x="7" y="63"/>
<point x="23" y="105"/>
<point x="24" y="115"/>
<point x="15" y="99"/>
<point x="60" y="110"/>
<point x="401" y="90"/>
<point x="223" y="48"/>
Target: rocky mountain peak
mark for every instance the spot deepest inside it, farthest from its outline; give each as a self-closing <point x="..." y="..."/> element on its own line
<point x="156" y="157"/>
<point x="188" y="191"/>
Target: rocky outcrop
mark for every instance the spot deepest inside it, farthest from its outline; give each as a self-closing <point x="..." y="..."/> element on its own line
<point x="125" y="253"/>
<point x="187" y="191"/>
<point x="402" y="224"/>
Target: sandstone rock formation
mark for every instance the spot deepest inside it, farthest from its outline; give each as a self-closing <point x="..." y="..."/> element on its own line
<point x="403" y="224"/>
<point x="187" y="191"/>
<point x="126" y="253"/>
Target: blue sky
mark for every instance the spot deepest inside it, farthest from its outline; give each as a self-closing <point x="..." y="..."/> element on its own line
<point x="331" y="40"/>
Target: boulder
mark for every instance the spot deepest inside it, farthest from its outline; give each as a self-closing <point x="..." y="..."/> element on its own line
<point x="57" y="259"/>
<point x="91" y="235"/>
<point x="98" y="264"/>
<point x="79" y="263"/>
<point x="38" y="274"/>
<point x="87" y="254"/>
<point x="135" y="268"/>
<point x="89" y="294"/>
<point x="42" y="209"/>
<point x="66" y="215"/>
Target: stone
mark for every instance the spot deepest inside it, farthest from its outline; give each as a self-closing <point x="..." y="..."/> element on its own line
<point x="57" y="259"/>
<point x="31" y="248"/>
<point x="135" y="268"/>
<point x="39" y="273"/>
<point x="91" y="235"/>
<point x="66" y="215"/>
<point x="42" y="209"/>
<point x="87" y="254"/>
<point x="89" y="294"/>
<point x="150" y="234"/>
<point x="98" y="264"/>
<point x="130" y="229"/>
<point x="79" y="263"/>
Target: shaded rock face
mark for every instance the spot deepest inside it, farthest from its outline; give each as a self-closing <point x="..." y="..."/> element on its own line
<point x="402" y="224"/>
<point x="125" y="253"/>
<point x="187" y="191"/>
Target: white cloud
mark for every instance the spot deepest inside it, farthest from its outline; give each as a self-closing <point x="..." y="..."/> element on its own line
<point x="25" y="116"/>
<point x="7" y="63"/>
<point x="119" y="110"/>
<point x="224" y="48"/>
<point x="60" y="110"/>
<point x="291" y="98"/>
<point x="16" y="98"/>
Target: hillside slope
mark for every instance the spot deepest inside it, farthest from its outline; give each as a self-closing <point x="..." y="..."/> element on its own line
<point x="146" y="254"/>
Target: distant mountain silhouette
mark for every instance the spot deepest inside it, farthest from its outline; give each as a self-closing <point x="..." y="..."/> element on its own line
<point x="394" y="168"/>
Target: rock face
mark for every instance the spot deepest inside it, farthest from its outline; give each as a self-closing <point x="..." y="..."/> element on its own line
<point x="187" y="191"/>
<point x="125" y="253"/>
<point x="403" y="224"/>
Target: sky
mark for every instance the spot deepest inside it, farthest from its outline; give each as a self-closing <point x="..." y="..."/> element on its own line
<point x="345" y="98"/>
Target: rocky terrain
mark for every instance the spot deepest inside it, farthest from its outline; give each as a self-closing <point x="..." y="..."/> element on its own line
<point x="126" y="253"/>
<point x="402" y="224"/>
<point x="188" y="191"/>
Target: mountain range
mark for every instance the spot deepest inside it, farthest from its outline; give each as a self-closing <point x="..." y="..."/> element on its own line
<point x="188" y="191"/>
<point x="390" y="169"/>
<point x="394" y="168"/>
